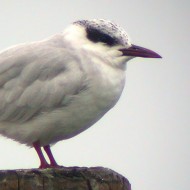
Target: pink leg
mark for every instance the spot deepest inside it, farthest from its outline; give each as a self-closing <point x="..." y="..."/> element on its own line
<point x="43" y="161"/>
<point x="53" y="163"/>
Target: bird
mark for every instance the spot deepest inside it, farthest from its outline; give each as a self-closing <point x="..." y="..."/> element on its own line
<point x="54" y="89"/>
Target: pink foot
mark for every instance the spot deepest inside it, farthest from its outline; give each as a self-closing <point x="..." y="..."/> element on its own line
<point x="43" y="161"/>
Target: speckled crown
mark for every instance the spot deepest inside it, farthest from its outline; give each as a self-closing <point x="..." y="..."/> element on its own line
<point x="107" y="27"/>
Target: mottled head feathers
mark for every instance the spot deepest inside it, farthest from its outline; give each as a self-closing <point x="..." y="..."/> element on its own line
<point x="99" y="30"/>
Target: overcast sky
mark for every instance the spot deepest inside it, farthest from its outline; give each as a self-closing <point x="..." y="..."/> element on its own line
<point x="146" y="136"/>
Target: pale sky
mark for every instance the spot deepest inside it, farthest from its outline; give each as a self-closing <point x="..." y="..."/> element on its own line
<point x="146" y="136"/>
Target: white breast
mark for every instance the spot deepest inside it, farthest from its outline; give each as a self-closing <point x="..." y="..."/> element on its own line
<point x="105" y="85"/>
<point x="105" y="88"/>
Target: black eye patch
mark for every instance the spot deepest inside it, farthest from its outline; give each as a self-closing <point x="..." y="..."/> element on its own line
<point x="98" y="36"/>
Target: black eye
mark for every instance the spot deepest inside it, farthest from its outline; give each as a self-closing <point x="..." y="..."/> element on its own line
<point x="98" y="36"/>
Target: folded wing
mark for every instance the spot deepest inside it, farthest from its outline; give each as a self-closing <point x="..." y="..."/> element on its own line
<point x="37" y="78"/>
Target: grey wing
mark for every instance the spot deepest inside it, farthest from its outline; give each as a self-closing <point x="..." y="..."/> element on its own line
<point x="36" y="78"/>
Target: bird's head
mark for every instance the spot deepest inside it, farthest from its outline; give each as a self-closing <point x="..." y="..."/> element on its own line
<point x="106" y="38"/>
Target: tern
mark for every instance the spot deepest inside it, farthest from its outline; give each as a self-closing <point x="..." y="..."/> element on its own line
<point x="54" y="89"/>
